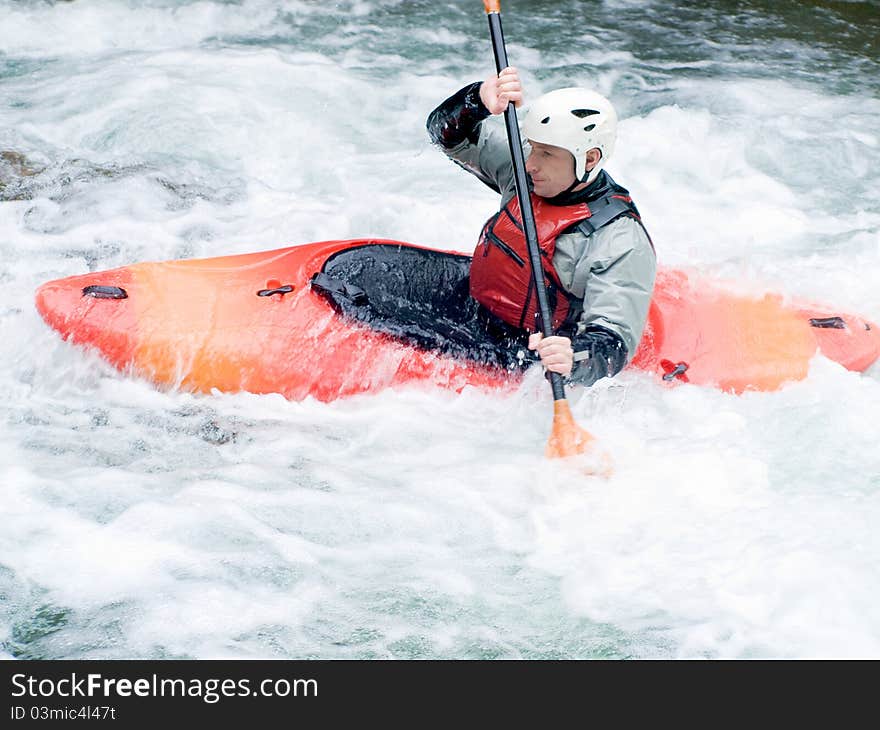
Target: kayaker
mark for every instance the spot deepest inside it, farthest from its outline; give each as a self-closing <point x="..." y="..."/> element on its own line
<point x="599" y="259"/>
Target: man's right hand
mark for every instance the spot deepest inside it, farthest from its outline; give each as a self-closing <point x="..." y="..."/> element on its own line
<point x="497" y="92"/>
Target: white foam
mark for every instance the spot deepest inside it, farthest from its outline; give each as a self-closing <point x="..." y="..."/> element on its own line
<point x="415" y="522"/>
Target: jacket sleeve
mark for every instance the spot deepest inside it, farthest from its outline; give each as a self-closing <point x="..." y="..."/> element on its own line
<point x="617" y="275"/>
<point x="457" y="127"/>
<point x="599" y="353"/>
<point x="457" y="120"/>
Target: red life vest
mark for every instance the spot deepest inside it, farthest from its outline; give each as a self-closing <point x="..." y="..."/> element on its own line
<point x="501" y="273"/>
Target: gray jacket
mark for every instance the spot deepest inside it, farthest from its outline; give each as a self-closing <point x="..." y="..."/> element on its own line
<point x="612" y="270"/>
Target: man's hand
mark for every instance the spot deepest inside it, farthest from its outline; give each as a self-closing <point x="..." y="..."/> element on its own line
<point x="555" y="352"/>
<point x="497" y="91"/>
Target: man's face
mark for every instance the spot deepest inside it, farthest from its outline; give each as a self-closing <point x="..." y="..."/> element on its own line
<point x="551" y="169"/>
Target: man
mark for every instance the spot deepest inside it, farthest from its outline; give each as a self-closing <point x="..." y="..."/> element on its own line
<point x="598" y="258"/>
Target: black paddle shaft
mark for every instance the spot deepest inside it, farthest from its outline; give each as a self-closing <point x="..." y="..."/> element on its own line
<point x="525" y="202"/>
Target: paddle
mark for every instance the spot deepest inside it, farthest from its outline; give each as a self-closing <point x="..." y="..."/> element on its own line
<point x="566" y="438"/>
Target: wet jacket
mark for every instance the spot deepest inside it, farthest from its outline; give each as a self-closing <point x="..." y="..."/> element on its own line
<point x="611" y="270"/>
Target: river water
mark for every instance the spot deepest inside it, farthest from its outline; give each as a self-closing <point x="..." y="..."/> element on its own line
<point x="420" y="523"/>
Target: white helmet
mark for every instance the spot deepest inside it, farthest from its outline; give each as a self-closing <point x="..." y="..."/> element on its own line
<point x="577" y="120"/>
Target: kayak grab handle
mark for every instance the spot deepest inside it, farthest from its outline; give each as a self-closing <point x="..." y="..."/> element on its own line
<point x="674" y="370"/>
<point x="836" y="323"/>
<point x="105" y="292"/>
<point x="286" y="289"/>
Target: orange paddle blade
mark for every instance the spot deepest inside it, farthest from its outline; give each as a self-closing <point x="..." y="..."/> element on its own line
<point x="492" y="6"/>
<point x="567" y="438"/>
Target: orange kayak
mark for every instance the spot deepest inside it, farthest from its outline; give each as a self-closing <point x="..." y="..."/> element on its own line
<point x="335" y="318"/>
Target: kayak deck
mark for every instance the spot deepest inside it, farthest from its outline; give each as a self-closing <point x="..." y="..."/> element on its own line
<point x="421" y="297"/>
<point x="335" y="318"/>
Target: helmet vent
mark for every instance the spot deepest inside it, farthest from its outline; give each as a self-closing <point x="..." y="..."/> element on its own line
<point x="583" y="113"/>
<point x="545" y="120"/>
<point x="589" y="127"/>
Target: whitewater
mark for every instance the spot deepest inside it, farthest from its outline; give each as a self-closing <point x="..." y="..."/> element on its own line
<point x="420" y="523"/>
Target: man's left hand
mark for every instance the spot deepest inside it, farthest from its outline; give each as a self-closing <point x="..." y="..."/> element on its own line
<point x="555" y="352"/>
